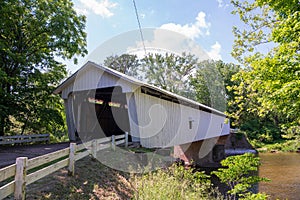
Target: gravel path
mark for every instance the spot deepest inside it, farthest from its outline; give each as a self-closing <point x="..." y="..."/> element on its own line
<point x="8" y="154"/>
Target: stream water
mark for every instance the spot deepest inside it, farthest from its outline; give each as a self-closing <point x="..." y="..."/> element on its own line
<point x="284" y="171"/>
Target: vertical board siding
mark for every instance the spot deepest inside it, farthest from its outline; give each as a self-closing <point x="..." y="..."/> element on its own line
<point x="169" y="124"/>
<point x="70" y="117"/>
<point x="132" y="115"/>
<point x="153" y="121"/>
<point x="90" y="78"/>
<point x="93" y="78"/>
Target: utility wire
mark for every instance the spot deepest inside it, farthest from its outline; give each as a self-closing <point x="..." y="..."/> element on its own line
<point x="140" y="28"/>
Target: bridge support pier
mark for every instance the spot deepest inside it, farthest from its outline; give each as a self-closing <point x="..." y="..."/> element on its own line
<point x="209" y="151"/>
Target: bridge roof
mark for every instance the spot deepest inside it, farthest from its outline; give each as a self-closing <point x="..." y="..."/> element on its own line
<point x="184" y="100"/>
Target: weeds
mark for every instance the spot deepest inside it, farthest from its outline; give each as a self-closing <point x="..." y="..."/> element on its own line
<point x="175" y="182"/>
<point x="238" y="173"/>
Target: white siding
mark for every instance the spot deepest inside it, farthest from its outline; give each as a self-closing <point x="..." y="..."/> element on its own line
<point x="132" y="114"/>
<point x="70" y="118"/>
<point x="163" y="123"/>
<point x="157" y="122"/>
<point x="93" y="78"/>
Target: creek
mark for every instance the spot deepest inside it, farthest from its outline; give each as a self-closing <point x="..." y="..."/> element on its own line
<point x="283" y="169"/>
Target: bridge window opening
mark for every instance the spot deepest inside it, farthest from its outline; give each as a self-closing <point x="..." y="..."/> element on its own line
<point x="114" y="104"/>
<point x="191" y="122"/>
<point x="95" y="101"/>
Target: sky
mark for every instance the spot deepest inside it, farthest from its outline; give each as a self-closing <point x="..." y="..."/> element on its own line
<point x="208" y="23"/>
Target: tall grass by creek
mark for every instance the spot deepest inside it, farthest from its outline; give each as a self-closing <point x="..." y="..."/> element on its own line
<point x="93" y="180"/>
<point x="175" y="182"/>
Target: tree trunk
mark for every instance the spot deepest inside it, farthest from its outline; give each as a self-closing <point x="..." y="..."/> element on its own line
<point x="25" y="124"/>
<point x="2" y="125"/>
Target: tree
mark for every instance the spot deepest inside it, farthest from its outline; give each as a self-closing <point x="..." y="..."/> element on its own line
<point x="206" y="82"/>
<point x="125" y="63"/>
<point x="246" y="116"/>
<point x="238" y="174"/>
<point x="170" y="72"/>
<point x="271" y="78"/>
<point x="211" y="83"/>
<point x="32" y="35"/>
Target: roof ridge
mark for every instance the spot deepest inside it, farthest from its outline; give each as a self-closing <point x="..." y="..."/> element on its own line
<point x="133" y="80"/>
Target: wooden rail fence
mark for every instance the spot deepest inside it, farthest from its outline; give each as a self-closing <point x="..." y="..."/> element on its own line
<point x="26" y="171"/>
<point x="20" y="139"/>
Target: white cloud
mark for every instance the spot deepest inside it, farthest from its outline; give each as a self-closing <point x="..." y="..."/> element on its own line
<point x="81" y="11"/>
<point x="102" y="8"/>
<point x="221" y="4"/>
<point x="165" y="41"/>
<point x="193" y="30"/>
<point x="214" y="52"/>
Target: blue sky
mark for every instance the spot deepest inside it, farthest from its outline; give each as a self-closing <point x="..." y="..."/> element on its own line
<point x="207" y="22"/>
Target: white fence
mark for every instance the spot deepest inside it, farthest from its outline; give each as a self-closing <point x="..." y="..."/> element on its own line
<point x="19" y="139"/>
<point x="18" y="175"/>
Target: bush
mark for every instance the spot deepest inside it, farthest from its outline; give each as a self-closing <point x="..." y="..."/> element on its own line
<point x="238" y="174"/>
<point x="175" y="182"/>
<point x="283" y="145"/>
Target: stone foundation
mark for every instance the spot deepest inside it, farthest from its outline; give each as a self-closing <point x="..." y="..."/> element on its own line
<point x="202" y="152"/>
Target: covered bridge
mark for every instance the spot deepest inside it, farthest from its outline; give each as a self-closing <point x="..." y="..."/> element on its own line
<point x="100" y="102"/>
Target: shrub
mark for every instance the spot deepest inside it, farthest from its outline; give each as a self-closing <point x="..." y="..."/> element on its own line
<point x="175" y="182"/>
<point x="238" y="174"/>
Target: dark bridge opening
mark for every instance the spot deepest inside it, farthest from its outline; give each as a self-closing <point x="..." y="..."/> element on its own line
<point x="101" y="113"/>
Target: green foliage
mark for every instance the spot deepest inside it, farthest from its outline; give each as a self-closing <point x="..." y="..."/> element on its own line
<point x="238" y="174"/>
<point x="270" y="83"/>
<point x="211" y="83"/>
<point x="125" y="63"/>
<point x="205" y="81"/>
<point x="33" y="34"/>
<point x="263" y="130"/>
<point x="170" y="72"/>
<point x="279" y="145"/>
<point x="251" y="196"/>
<point x="175" y="182"/>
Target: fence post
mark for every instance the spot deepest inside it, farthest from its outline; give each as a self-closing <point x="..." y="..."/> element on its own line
<point x="126" y="139"/>
<point x="113" y="142"/>
<point x="94" y="149"/>
<point x="20" y="178"/>
<point x="72" y="159"/>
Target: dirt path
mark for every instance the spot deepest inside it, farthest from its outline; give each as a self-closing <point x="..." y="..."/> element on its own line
<point x="8" y="154"/>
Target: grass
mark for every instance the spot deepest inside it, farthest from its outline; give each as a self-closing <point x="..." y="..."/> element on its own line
<point x="94" y="180"/>
<point x="174" y="182"/>
<point x="140" y="150"/>
<point x="279" y="145"/>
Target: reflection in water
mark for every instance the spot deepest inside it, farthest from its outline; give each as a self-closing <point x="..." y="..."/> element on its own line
<point x="284" y="171"/>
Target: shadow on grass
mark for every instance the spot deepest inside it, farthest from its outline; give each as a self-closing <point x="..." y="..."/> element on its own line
<point x="92" y="180"/>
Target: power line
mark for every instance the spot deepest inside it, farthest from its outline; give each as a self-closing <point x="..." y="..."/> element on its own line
<point x="140" y="28"/>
